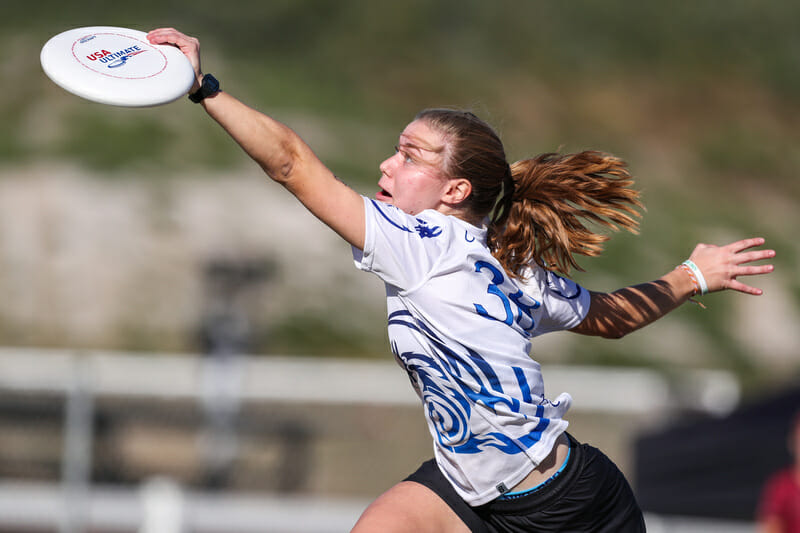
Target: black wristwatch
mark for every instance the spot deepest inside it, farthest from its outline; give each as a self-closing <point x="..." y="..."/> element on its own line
<point x="209" y="86"/>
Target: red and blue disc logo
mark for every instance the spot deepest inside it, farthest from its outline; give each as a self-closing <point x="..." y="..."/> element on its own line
<point x="118" y="56"/>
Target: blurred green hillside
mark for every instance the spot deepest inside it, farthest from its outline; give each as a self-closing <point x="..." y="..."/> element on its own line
<point x="719" y="79"/>
<point x="701" y="98"/>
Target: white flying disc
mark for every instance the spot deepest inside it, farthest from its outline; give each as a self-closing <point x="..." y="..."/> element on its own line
<point x="116" y="66"/>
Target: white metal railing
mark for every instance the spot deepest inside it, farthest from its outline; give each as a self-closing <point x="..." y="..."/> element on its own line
<point x="161" y="506"/>
<point x="328" y="380"/>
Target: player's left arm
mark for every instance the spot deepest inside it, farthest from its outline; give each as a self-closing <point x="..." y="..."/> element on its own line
<point x="615" y="314"/>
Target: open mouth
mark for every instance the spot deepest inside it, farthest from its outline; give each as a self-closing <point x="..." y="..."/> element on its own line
<point x="383" y="196"/>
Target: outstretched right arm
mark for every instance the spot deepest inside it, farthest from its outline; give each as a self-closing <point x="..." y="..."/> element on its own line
<point x="283" y="155"/>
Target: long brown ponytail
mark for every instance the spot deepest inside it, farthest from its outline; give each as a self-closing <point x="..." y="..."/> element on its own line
<point x="554" y="198"/>
<point x="538" y="209"/>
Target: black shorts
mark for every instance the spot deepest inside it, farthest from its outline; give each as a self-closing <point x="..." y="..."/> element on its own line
<point x="590" y="494"/>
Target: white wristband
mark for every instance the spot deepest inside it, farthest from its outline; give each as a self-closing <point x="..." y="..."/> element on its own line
<point x="700" y="279"/>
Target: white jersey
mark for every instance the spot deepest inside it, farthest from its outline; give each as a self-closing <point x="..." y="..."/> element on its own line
<point x="462" y="328"/>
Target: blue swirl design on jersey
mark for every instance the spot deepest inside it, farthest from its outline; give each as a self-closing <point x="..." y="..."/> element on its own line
<point x="556" y="287"/>
<point x="422" y="228"/>
<point x="451" y="384"/>
<point x="389" y="220"/>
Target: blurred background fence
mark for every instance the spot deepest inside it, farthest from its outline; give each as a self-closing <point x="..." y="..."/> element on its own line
<point x="155" y="442"/>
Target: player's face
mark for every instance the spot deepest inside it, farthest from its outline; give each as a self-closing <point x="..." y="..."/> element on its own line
<point x="412" y="179"/>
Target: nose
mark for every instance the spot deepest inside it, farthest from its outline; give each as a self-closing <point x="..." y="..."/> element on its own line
<point x="386" y="165"/>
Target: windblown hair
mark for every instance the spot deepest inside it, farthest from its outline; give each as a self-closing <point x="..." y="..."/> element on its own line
<point x="558" y="198"/>
<point x="542" y="210"/>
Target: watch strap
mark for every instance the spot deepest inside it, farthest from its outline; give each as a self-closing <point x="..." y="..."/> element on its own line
<point x="208" y="87"/>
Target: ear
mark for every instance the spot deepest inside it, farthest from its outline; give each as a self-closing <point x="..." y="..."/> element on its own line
<point x="458" y="190"/>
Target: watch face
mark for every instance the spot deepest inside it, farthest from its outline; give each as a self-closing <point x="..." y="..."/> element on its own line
<point x="212" y="84"/>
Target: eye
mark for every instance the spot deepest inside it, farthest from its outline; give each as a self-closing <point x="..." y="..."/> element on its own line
<point x="406" y="157"/>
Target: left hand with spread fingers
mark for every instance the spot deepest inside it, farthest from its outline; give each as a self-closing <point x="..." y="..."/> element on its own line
<point x="721" y="266"/>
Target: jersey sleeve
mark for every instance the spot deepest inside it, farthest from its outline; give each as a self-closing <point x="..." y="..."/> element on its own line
<point x="399" y="248"/>
<point x="564" y="302"/>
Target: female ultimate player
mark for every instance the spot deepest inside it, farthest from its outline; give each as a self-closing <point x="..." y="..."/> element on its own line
<point x="466" y="246"/>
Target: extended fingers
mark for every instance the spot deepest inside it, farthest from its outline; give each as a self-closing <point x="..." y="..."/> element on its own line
<point x="754" y="270"/>
<point x="749" y="257"/>
<point x="744" y="244"/>
<point x="735" y="285"/>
